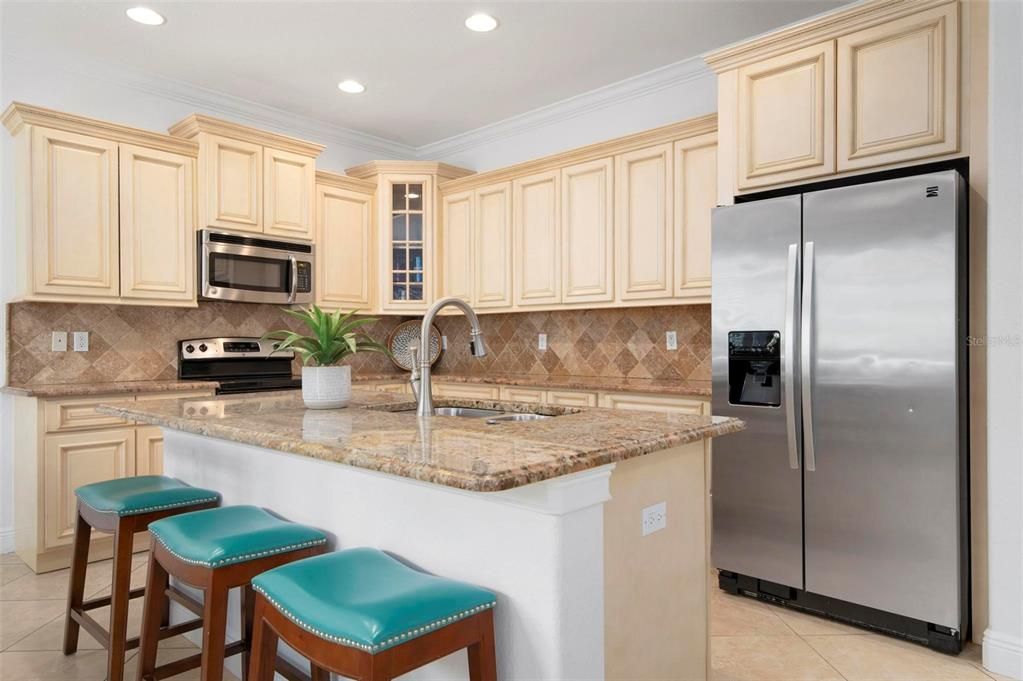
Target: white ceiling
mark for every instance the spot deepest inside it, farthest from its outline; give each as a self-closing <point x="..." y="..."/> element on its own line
<point x="427" y="76"/>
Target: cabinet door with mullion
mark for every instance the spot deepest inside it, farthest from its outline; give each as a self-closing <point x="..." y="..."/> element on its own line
<point x="407" y="254"/>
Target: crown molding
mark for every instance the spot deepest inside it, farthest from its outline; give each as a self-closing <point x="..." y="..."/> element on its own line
<point x="831" y="24"/>
<point x="344" y="182"/>
<point x="672" y="132"/>
<point x="19" y="114"/>
<point x="671" y="75"/>
<point x="443" y="171"/>
<point x="191" y="127"/>
<point x="220" y="104"/>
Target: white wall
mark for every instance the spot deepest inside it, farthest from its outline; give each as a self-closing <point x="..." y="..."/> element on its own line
<point x="1003" y="639"/>
<point x="120" y="96"/>
<point x="666" y="95"/>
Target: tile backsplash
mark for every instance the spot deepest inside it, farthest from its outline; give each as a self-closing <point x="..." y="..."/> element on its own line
<point x="135" y="343"/>
<point x="628" y="342"/>
<point x="130" y="343"/>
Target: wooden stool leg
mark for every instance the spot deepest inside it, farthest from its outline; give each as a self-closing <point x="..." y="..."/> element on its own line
<point x="119" y="600"/>
<point x="482" y="659"/>
<point x="154" y="611"/>
<point x="76" y="582"/>
<point x="248" y="597"/>
<point x="264" y="646"/>
<point x="318" y="673"/>
<point x="214" y="631"/>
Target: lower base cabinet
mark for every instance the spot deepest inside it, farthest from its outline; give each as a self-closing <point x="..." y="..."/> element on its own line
<point x="60" y="445"/>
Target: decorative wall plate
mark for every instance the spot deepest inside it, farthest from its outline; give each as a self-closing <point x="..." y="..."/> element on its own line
<point x="404" y="336"/>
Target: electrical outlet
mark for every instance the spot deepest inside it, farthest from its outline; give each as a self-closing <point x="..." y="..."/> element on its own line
<point x="671" y="340"/>
<point x="443" y="342"/>
<point x="58" y="341"/>
<point x="80" y="339"/>
<point x="541" y="341"/>
<point x="655" y="518"/>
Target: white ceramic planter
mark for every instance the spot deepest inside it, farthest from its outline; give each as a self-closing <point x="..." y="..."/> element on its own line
<point x="326" y="387"/>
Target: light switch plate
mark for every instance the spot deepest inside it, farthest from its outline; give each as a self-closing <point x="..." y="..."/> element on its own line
<point x="58" y="341"/>
<point x="443" y="342"/>
<point x="80" y="339"/>
<point x="655" y="518"/>
<point x="541" y="341"/>
<point x="671" y="340"/>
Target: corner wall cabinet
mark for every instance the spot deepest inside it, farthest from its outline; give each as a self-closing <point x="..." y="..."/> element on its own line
<point x="105" y="213"/>
<point x="251" y="180"/>
<point x="873" y="85"/>
<point x="61" y="444"/>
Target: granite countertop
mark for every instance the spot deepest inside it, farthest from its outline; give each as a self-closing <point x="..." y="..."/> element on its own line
<point x="374" y="432"/>
<point x="111" y="388"/>
<point x="681" y="387"/>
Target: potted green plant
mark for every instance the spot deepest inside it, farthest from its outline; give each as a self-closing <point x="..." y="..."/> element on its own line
<point x="326" y="384"/>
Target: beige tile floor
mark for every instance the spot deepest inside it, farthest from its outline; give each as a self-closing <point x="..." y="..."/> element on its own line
<point x="750" y="641"/>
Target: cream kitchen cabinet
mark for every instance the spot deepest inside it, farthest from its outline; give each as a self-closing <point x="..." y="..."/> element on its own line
<point x="787" y="117"/>
<point x="61" y="444"/>
<point x="469" y="391"/>
<point x="587" y="232"/>
<point x="493" y="247"/>
<point x="514" y="393"/>
<point x="695" y="171"/>
<point x="536" y="239"/>
<point x="874" y="85"/>
<point x="251" y="180"/>
<point x="157" y="224"/>
<point x="898" y="90"/>
<point x="344" y="243"/>
<point x="644" y="223"/>
<point x="456" y="244"/>
<point x="653" y="402"/>
<point x="104" y="213"/>
<point x="571" y="398"/>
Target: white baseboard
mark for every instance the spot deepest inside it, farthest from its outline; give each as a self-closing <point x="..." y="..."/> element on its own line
<point x="1003" y="654"/>
<point x="7" y="540"/>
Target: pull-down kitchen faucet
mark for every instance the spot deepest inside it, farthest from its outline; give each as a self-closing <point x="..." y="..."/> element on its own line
<point x="420" y="379"/>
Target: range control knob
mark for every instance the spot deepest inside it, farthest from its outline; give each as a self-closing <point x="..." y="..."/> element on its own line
<point x="189" y="348"/>
<point x="202" y="347"/>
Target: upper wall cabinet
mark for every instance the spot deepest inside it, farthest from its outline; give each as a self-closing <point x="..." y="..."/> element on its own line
<point x="695" y="173"/>
<point x="105" y="213"/>
<point x="406" y="204"/>
<point x="787" y="117"/>
<point x="587" y="232"/>
<point x="875" y="84"/>
<point x="898" y="90"/>
<point x="536" y="238"/>
<point x="251" y="180"/>
<point x="344" y="242"/>
<point x="643" y="217"/>
<point x="493" y="249"/>
<point x="456" y="246"/>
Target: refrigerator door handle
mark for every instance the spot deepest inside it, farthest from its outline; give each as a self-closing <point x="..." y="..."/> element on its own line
<point x="806" y="356"/>
<point x="789" y="354"/>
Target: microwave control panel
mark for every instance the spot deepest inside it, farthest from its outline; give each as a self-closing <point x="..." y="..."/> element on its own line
<point x="305" y="276"/>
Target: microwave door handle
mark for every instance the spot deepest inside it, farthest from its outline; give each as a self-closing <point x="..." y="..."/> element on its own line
<point x="294" y="279"/>
<point x="789" y="354"/>
<point x="806" y="357"/>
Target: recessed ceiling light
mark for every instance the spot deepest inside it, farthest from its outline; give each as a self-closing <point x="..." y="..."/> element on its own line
<point x="481" y="23"/>
<point x="352" y="87"/>
<point x="146" y="16"/>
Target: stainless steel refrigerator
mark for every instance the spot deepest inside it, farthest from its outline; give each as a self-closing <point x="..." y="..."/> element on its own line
<point x="839" y="335"/>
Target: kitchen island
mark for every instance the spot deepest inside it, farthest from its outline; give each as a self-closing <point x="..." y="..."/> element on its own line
<point x="548" y="513"/>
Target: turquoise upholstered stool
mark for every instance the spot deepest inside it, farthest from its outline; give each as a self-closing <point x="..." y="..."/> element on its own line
<point x="371" y="617"/>
<point x="122" y="507"/>
<point x="215" y="550"/>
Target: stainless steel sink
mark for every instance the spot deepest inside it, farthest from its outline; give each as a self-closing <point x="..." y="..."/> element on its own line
<point x="466" y="412"/>
<point x="509" y="418"/>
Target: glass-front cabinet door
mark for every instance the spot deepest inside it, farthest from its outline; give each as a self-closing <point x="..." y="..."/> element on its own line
<point x="407" y="202"/>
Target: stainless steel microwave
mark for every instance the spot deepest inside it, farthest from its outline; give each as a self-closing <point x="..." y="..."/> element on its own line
<point x="252" y="269"/>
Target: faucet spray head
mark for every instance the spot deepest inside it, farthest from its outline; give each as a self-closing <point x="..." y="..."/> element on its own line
<point x="477" y="346"/>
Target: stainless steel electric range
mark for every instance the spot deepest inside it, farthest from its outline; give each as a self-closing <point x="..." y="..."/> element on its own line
<point x="240" y="365"/>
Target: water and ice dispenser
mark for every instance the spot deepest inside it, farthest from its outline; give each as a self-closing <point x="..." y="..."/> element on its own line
<point x="754" y="368"/>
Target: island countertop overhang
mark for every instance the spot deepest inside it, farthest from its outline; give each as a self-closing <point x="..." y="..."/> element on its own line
<point x="374" y="433"/>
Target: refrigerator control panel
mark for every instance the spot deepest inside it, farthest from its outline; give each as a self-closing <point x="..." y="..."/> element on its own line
<point x="754" y="368"/>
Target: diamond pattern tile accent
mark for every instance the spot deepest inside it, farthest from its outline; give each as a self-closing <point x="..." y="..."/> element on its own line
<point x="609" y="342"/>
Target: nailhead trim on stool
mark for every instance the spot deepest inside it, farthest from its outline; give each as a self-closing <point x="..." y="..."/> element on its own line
<point x="149" y="509"/>
<point x="237" y="559"/>
<point x="411" y="633"/>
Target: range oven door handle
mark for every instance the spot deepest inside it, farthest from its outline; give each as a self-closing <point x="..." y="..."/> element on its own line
<point x="789" y="354"/>
<point x="293" y="264"/>
<point x="806" y="357"/>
